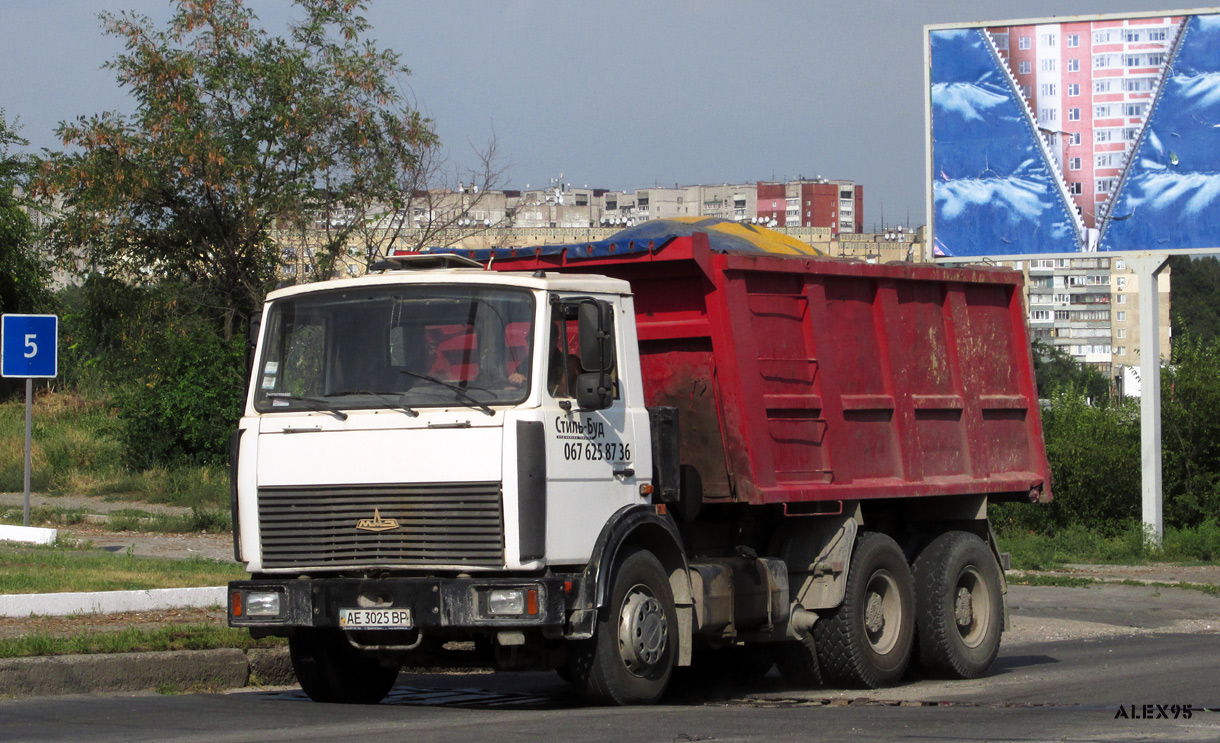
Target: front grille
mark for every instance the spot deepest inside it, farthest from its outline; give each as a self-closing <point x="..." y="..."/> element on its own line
<point x="438" y="524"/>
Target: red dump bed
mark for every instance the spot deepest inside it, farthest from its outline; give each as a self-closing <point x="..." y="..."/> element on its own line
<point x="811" y="379"/>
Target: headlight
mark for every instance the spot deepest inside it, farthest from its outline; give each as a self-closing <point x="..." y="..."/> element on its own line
<point x="262" y="604"/>
<point x="506" y="601"/>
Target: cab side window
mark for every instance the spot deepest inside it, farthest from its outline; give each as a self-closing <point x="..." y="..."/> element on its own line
<point x="563" y="354"/>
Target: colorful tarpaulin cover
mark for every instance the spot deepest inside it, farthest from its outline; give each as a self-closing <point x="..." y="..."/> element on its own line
<point x="724" y="235"/>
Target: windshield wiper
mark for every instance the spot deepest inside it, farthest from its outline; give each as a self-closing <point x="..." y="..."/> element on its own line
<point x="388" y="400"/>
<point x="462" y="393"/>
<point x="316" y="404"/>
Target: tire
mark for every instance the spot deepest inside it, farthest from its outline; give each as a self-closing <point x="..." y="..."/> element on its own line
<point x="329" y="669"/>
<point x="631" y="656"/>
<point x="959" y="606"/>
<point x="866" y="642"/>
<point x="798" y="664"/>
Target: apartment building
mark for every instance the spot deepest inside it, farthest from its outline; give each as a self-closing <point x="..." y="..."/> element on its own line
<point x="1125" y="314"/>
<point x="1090" y="86"/>
<point x="1088" y="306"/>
<point x="835" y="205"/>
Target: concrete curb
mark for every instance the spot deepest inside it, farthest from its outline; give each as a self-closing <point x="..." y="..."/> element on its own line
<point x="175" y="670"/>
<point x="28" y="534"/>
<point x="109" y="602"/>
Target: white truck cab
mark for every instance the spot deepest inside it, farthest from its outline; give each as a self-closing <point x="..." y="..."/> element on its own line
<point x="427" y="454"/>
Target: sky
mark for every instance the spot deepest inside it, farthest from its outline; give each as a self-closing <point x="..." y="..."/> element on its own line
<point x="616" y="94"/>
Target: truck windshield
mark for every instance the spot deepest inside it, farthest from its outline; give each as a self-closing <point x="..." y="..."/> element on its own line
<point x="402" y="347"/>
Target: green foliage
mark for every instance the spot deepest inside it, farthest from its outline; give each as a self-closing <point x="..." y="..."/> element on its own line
<point x="77" y="450"/>
<point x="208" y="520"/>
<point x="1190" y="431"/>
<point x="188" y="404"/>
<point x="1052" y="549"/>
<point x="1077" y="543"/>
<point x="202" y="486"/>
<point x="1196" y="298"/>
<point x="22" y="275"/>
<point x="158" y="353"/>
<point x="57" y="569"/>
<point x="1094" y="456"/>
<point x="1057" y="372"/>
<point x="237" y="133"/>
<point x="48" y="516"/>
<point x="71" y="437"/>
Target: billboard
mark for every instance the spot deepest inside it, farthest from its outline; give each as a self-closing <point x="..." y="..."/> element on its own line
<point x="1071" y="135"/>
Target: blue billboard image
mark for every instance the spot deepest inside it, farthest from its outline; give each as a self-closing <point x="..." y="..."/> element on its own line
<point x="995" y="189"/>
<point x="1078" y="135"/>
<point x="1169" y="195"/>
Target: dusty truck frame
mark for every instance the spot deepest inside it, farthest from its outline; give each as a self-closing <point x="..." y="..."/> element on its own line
<point x="615" y="459"/>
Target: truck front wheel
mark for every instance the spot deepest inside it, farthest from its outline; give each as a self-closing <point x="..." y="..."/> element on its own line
<point x="631" y="657"/>
<point x="866" y="641"/>
<point x="959" y="606"/>
<point x="329" y="669"/>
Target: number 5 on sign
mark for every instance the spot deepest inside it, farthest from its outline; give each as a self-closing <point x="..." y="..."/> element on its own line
<point x="30" y="344"/>
<point x="29" y="348"/>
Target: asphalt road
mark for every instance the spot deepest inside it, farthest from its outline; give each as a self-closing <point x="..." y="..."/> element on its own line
<point x="1127" y="673"/>
<point x="1056" y="691"/>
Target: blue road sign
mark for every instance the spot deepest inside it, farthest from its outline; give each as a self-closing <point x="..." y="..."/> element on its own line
<point x="30" y="345"/>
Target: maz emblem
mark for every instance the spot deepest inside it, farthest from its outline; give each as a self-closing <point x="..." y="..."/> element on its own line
<point x="376" y="523"/>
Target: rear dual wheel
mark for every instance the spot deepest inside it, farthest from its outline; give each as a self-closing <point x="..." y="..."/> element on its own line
<point x="959" y="606"/>
<point x="866" y="641"/>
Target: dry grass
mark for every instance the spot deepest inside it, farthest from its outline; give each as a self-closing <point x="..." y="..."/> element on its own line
<point x="76" y="451"/>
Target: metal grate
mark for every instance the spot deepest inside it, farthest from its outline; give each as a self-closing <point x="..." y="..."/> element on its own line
<point x="459" y="524"/>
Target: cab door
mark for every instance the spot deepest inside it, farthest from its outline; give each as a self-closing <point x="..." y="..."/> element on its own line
<point x="591" y="454"/>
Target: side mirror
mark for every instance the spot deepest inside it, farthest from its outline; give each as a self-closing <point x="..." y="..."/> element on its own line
<point x="596" y="325"/>
<point x="593" y="391"/>
<point x="256" y="323"/>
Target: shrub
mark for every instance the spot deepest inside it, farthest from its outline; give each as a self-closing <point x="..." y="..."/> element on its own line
<point x="159" y="353"/>
<point x="1094" y="454"/>
<point x="185" y="409"/>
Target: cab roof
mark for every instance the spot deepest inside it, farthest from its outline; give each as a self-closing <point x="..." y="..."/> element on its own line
<point x="538" y="280"/>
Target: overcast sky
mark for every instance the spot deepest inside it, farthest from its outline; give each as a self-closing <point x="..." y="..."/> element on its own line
<point x="618" y="94"/>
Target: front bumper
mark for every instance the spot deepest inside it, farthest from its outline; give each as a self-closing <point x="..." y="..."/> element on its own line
<point x="449" y="603"/>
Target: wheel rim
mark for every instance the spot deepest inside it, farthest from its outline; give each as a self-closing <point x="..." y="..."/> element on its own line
<point x="643" y="631"/>
<point x="972" y="607"/>
<point x="882" y="612"/>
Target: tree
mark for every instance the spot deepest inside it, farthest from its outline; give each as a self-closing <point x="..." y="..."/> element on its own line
<point x="1196" y="297"/>
<point x="1094" y="454"/>
<point x="1190" y="430"/>
<point x="433" y="203"/>
<point x="1056" y="371"/>
<point x="236" y="133"/>
<point x="22" y="277"/>
<point x="437" y="203"/>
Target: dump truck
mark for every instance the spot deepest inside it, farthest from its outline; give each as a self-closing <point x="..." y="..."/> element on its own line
<point x="618" y="458"/>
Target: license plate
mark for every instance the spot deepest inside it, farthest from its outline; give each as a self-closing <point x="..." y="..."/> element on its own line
<point x="375" y="618"/>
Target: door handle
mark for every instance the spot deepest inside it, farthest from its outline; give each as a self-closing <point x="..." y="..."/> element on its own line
<point x="628" y="472"/>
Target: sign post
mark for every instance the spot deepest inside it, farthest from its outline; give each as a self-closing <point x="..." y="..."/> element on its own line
<point x="29" y="347"/>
